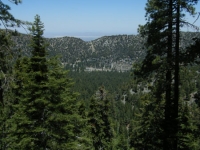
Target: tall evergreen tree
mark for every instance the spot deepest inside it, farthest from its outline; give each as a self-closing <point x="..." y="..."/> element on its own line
<point x="30" y="90"/>
<point x="45" y="110"/>
<point x="64" y="122"/>
<point x="5" y="78"/>
<point x="162" y="32"/>
<point x="6" y="63"/>
<point x="7" y="20"/>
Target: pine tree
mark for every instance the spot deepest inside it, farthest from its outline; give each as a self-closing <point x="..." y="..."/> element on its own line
<point x="30" y="87"/>
<point x="5" y="78"/>
<point x="6" y="62"/>
<point x="7" y="19"/>
<point x="64" y="122"/>
<point x="83" y="128"/>
<point x="45" y="110"/>
<point x="187" y="129"/>
<point x="162" y="32"/>
<point x="6" y="54"/>
<point x="99" y="121"/>
<point x="147" y="130"/>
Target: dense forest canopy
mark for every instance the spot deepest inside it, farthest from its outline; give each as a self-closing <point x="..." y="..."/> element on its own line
<point x="125" y="92"/>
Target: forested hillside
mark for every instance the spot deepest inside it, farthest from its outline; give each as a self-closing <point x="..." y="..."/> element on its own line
<point x="117" y="52"/>
<point x="120" y="92"/>
<point x="110" y="52"/>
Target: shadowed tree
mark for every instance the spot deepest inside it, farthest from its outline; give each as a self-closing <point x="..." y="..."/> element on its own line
<point x="6" y="59"/>
<point x="162" y="32"/>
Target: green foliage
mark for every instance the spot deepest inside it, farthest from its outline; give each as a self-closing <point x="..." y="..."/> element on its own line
<point x="188" y="78"/>
<point x="6" y="62"/>
<point x="45" y="110"/>
<point x="112" y="81"/>
<point x="187" y="129"/>
<point x="148" y="123"/>
<point x="162" y="62"/>
<point x="99" y="121"/>
<point x="40" y="110"/>
<point x="7" y="18"/>
<point x="192" y="53"/>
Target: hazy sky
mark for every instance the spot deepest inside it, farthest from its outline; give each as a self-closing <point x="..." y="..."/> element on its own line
<point x="80" y="18"/>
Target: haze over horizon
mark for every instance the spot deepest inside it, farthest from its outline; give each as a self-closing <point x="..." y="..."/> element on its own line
<point x="86" y="19"/>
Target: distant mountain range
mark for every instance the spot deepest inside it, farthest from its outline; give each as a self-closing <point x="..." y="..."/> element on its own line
<point x="117" y="52"/>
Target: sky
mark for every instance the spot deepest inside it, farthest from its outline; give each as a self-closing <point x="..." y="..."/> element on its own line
<point x="86" y="19"/>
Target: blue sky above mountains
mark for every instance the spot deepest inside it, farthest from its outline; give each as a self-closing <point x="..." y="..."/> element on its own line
<point x="84" y="18"/>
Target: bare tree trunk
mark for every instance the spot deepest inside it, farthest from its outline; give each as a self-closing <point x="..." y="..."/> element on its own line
<point x="176" y="76"/>
<point x="168" y="101"/>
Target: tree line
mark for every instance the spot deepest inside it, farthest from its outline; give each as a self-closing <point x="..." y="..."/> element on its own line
<point x="42" y="107"/>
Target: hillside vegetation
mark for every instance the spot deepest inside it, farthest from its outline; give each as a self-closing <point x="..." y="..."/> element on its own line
<point x="117" y="52"/>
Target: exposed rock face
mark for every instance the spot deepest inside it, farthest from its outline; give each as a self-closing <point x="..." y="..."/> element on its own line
<point x="104" y="54"/>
